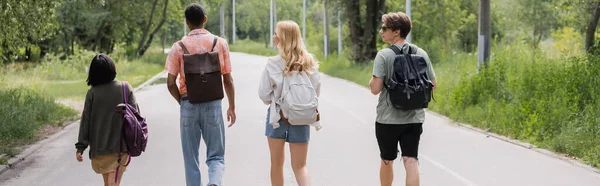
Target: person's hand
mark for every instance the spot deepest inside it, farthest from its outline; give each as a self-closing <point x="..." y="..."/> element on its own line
<point x="79" y="157"/>
<point x="231" y="116"/>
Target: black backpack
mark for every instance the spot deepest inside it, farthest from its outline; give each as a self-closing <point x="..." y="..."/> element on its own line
<point x="409" y="86"/>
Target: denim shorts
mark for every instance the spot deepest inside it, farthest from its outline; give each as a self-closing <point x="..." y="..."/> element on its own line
<point x="291" y="133"/>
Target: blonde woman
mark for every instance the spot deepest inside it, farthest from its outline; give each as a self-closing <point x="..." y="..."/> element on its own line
<point x="293" y="58"/>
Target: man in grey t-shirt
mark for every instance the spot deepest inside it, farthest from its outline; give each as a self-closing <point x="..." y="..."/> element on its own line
<point x="394" y="126"/>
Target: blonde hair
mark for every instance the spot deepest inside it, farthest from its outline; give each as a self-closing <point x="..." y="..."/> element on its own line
<point x="292" y="48"/>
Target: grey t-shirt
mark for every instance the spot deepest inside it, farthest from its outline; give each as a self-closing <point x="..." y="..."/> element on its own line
<point x="382" y="68"/>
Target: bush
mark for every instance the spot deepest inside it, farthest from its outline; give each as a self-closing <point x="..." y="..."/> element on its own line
<point x="24" y="111"/>
<point x="339" y="66"/>
<point x="65" y="77"/>
<point x="548" y="102"/>
<point x="28" y="90"/>
<point x="252" y="47"/>
<point x="54" y="67"/>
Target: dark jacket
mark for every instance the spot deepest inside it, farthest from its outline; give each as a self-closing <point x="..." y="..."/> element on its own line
<point x="100" y="126"/>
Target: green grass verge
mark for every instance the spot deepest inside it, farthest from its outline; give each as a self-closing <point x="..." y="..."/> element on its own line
<point x="28" y="92"/>
<point x="252" y="47"/>
<point x="23" y="113"/>
<point x="65" y="78"/>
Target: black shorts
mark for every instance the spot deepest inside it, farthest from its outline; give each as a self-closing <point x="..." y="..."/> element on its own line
<point x="407" y="135"/>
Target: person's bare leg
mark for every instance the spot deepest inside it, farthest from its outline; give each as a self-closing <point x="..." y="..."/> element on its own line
<point x="105" y="178"/>
<point x="412" y="171"/>
<point x="110" y="181"/>
<point x="276" y="148"/>
<point x="119" y="178"/>
<point x="299" y="152"/>
<point x="386" y="172"/>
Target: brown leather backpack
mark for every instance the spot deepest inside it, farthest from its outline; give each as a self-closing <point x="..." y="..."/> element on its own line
<point x="202" y="75"/>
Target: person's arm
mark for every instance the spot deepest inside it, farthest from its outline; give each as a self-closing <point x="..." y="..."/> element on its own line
<point x="83" y="140"/>
<point x="173" y="89"/>
<point x="315" y="80"/>
<point x="265" y="87"/>
<point x="430" y="72"/>
<point x="376" y="82"/>
<point x="229" y="90"/>
<point x="173" y="66"/>
<point x="227" y="79"/>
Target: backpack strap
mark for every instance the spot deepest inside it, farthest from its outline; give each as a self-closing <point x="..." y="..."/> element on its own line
<point x="214" y="44"/>
<point x="185" y="51"/>
<point x="395" y="49"/>
<point x="406" y="64"/>
<point x="412" y="49"/>
<point x="390" y="74"/>
<point x="125" y="88"/>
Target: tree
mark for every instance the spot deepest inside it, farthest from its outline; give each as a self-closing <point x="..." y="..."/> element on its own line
<point x="540" y="16"/>
<point x="592" y="25"/>
<point x="363" y="33"/>
<point x="146" y="39"/>
<point x="25" y="23"/>
<point x="251" y="21"/>
<point x="99" y="25"/>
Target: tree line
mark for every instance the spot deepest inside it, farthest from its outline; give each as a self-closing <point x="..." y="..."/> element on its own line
<point x="62" y="26"/>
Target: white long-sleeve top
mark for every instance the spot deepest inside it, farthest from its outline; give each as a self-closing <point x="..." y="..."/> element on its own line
<point x="271" y="83"/>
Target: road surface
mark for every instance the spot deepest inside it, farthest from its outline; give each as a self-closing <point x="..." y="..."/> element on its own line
<point x="343" y="153"/>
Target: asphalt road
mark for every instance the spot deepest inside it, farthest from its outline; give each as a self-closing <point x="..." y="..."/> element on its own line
<point x="343" y="153"/>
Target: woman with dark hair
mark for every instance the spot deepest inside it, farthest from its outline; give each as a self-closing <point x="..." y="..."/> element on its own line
<point x="100" y="126"/>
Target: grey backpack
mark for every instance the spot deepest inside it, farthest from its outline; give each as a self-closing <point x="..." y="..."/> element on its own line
<point x="299" y="99"/>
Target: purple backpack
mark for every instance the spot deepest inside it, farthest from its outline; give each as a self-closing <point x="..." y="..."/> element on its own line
<point x="135" y="129"/>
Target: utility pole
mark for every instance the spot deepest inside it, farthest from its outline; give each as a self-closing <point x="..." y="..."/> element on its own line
<point x="339" y="32"/>
<point x="233" y="21"/>
<point x="164" y="40"/>
<point x="484" y="39"/>
<point x="326" y="35"/>
<point x="222" y="20"/>
<point x="274" y="15"/>
<point x="304" y="20"/>
<point x="271" y="24"/>
<point x="408" y="12"/>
